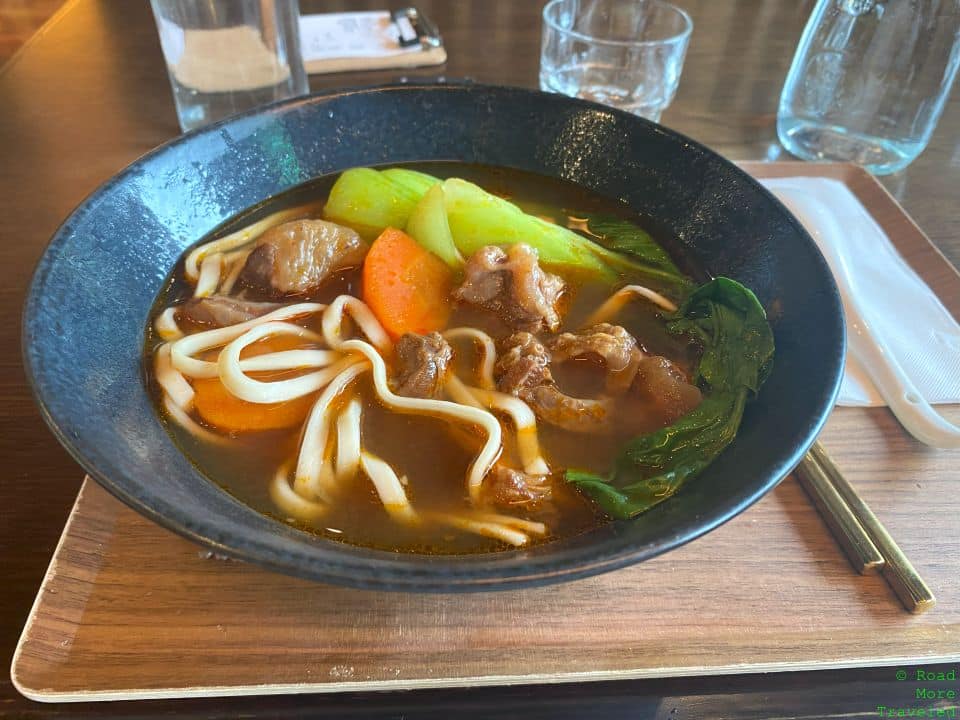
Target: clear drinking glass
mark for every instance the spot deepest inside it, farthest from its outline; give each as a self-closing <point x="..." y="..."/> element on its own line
<point x="869" y="81"/>
<point x="625" y="54"/>
<point x="224" y="56"/>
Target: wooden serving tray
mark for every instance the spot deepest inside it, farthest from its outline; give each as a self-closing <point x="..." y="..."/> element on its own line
<point x="128" y="610"/>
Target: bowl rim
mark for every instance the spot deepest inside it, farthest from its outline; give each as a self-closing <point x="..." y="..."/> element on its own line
<point x="393" y="571"/>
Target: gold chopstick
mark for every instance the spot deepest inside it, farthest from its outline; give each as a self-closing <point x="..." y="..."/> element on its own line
<point x="843" y="523"/>
<point x="913" y="592"/>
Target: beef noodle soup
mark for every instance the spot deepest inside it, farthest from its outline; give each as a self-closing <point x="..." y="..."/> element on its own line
<point x="397" y="360"/>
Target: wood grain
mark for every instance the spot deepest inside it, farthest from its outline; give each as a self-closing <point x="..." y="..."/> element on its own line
<point x="128" y="610"/>
<point x="89" y="93"/>
<point x="19" y="20"/>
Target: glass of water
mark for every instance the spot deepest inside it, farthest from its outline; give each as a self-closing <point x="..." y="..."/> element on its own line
<point x="869" y="81"/>
<point x="625" y="54"/>
<point x="225" y="56"/>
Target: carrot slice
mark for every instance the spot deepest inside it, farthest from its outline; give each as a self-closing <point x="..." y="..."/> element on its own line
<point x="218" y="407"/>
<point x="406" y="286"/>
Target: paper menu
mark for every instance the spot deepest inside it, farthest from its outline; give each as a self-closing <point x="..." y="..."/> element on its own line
<point x="338" y="42"/>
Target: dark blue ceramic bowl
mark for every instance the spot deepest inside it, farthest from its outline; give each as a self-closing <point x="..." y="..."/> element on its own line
<point x="93" y="289"/>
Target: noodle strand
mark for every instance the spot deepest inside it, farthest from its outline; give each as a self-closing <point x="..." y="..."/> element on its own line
<point x="348" y="442"/>
<point x="209" y="279"/>
<point x="288" y="500"/>
<point x="257" y="391"/>
<point x="289" y="360"/>
<point x="182" y="350"/>
<point x="314" y="474"/>
<point x="235" y="261"/>
<point x="388" y="487"/>
<point x="180" y="416"/>
<point x="621" y="297"/>
<point x="332" y="323"/>
<point x="166" y="325"/>
<point x="495" y="530"/>
<point x="489" y="352"/>
<point x="523" y="418"/>
<point x="491" y="449"/>
<point x="174" y="384"/>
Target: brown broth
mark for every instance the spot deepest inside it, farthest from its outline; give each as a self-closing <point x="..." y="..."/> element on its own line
<point x="424" y="450"/>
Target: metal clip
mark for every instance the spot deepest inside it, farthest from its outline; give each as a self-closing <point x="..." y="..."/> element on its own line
<point x="415" y="28"/>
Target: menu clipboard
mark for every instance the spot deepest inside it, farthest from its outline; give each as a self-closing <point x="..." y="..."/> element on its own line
<point x="370" y="40"/>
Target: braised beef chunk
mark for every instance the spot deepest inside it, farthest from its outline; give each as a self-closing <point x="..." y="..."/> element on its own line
<point x="221" y="311"/>
<point x="579" y="415"/>
<point x="523" y="369"/>
<point x="511" y="284"/>
<point x="523" y="364"/>
<point x="661" y="383"/>
<point x="611" y="344"/>
<point x="507" y="488"/>
<point x="296" y="257"/>
<point x="421" y="362"/>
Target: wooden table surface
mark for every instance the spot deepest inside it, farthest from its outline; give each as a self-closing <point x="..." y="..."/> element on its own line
<point x="89" y="94"/>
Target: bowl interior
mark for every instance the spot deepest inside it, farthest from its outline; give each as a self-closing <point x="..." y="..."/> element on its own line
<point x="94" y="287"/>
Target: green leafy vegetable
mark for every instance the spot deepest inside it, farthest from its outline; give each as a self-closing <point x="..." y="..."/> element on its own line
<point x="429" y="227"/>
<point x="478" y="218"/>
<point x="370" y="201"/>
<point x="729" y="321"/>
<point x="738" y="349"/>
<point x="624" y="236"/>
<point x="413" y="180"/>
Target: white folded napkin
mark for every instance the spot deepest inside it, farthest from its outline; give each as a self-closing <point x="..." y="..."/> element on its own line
<point x="899" y="306"/>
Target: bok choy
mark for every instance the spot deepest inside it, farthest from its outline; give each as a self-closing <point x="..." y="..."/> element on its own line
<point x="453" y="218"/>
<point x="370" y="201"/>
<point x="428" y="225"/>
<point x="729" y="322"/>
<point x="478" y="218"/>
